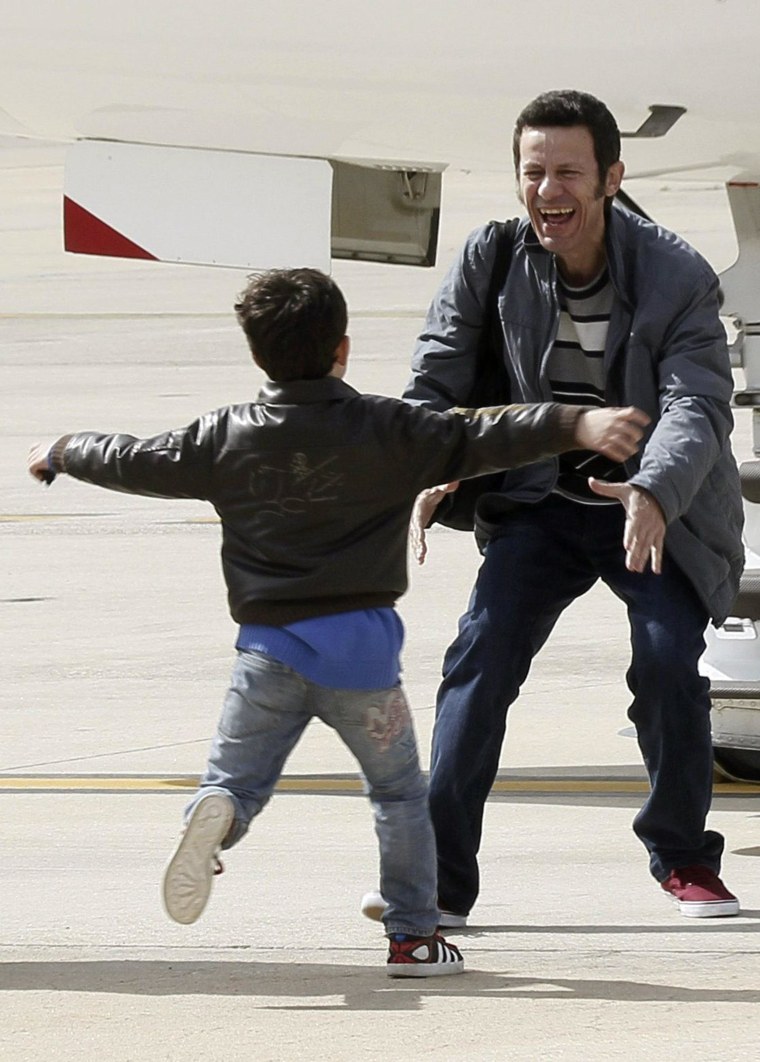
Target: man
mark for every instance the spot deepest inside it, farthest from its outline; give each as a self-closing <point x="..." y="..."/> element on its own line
<point x="599" y="306"/>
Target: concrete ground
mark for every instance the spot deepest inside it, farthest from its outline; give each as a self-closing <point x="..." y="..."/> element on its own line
<point x="116" y="651"/>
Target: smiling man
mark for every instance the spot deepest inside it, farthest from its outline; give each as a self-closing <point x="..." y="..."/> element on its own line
<point x="597" y="306"/>
<point x="565" y="190"/>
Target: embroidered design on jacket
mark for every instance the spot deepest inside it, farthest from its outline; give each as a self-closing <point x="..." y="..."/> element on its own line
<point x="297" y="486"/>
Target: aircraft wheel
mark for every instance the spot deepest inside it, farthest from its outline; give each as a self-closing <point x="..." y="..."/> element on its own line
<point x="740" y="765"/>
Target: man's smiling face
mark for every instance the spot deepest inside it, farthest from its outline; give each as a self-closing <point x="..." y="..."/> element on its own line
<point x="560" y="185"/>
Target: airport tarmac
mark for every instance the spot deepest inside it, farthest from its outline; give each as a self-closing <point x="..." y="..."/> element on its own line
<point x="117" y="648"/>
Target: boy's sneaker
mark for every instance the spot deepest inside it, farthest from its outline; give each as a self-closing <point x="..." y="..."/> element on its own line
<point x="373" y="906"/>
<point x="188" y="877"/>
<point x="423" y="957"/>
<point x="700" y="893"/>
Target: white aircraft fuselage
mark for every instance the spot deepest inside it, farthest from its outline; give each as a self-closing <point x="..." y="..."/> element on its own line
<point x="385" y="80"/>
<point x="337" y="119"/>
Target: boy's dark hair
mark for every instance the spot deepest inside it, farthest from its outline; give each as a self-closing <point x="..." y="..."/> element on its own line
<point x="567" y="107"/>
<point x="294" y="320"/>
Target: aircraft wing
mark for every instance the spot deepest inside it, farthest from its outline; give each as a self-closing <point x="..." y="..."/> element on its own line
<point x="257" y="134"/>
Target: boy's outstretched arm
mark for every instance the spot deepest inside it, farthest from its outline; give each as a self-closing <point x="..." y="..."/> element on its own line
<point x="173" y="464"/>
<point x="614" y="432"/>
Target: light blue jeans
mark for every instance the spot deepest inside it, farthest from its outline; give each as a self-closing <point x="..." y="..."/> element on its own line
<point x="267" y="708"/>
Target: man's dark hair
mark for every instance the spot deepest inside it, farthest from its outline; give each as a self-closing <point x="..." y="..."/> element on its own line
<point x="566" y="107"/>
<point x="294" y="320"/>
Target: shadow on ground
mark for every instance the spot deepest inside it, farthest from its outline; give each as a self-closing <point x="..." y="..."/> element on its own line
<point x="357" y="987"/>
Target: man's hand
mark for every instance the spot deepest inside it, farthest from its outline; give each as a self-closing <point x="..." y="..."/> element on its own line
<point x="424" y="507"/>
<point x="616" y="433"/>
<point x="644" y="534"/>
<point x="37" y="463"/>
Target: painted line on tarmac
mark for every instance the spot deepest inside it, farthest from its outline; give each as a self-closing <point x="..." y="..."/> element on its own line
<point x="20" y="518"/>
<point x="120" y="783"/>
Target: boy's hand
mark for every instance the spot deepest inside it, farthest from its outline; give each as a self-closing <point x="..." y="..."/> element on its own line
<point x="424" y="507"/>
<point x="37" y="463"/>
<point x="616" y="433"/>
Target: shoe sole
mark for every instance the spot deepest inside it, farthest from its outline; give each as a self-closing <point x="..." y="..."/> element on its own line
<point x="190" y="872"/>
<point x="714" y="909"/>
<point x="425" y="969"/>
<point x="452" y="921"/>
<point x="704" y="909"/>
<point x="373" y="906"/>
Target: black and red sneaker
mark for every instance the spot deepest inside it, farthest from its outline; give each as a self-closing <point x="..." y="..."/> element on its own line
<point x="700" y="893"/>
<point x="423" y="956"/>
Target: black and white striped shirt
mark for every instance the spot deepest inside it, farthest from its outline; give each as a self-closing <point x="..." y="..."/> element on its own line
<point x="577" y="377"/>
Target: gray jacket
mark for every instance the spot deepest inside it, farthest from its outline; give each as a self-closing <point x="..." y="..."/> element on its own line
<point x="666" y="353"/>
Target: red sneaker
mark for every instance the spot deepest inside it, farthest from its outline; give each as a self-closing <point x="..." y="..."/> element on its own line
<point x="700" y="893"/>
<point x="423" y="957"/>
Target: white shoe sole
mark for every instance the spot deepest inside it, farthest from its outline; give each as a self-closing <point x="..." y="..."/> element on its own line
<point x="373" y="906"/>
<point x="452" y="921"/>
<point x="710" y="909"/>
<point x="188" y="877"/>
<point x="425" y="969"/>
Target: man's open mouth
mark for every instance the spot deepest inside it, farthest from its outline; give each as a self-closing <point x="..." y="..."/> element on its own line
<point x="556" y="216"/>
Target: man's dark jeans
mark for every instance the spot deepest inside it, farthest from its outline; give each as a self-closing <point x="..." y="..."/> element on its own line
<point x="544" y="557"/>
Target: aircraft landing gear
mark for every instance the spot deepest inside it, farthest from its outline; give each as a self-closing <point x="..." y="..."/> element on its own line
<point x="732" y="657"/>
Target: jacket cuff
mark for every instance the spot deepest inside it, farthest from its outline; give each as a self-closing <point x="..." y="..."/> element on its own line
<point x="665" y="499"/>
<point x="55" y="456"/>
<point x="566" y="419"/>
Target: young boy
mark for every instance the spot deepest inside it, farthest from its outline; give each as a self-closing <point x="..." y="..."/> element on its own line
<point x="314" y="484"/>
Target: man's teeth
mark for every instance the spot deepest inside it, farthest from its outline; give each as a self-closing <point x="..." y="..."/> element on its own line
<point x="559" y="212"/>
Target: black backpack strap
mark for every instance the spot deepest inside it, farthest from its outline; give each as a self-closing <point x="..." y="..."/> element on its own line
<point x="505" y="242"/>
<point x="491" y="387"/>
<point x="491" y="382"/>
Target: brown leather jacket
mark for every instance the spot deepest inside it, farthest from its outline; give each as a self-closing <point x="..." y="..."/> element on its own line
<point x="315" y="484"/>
